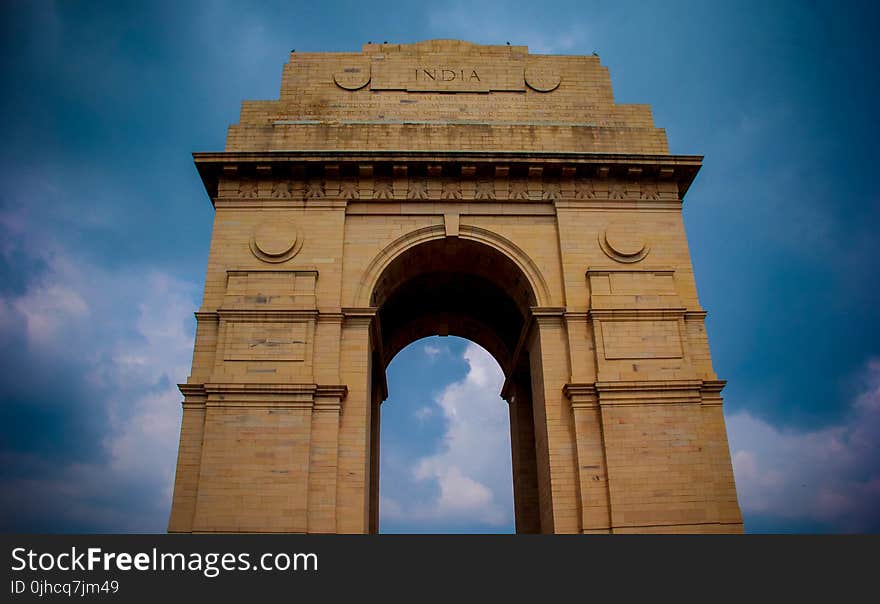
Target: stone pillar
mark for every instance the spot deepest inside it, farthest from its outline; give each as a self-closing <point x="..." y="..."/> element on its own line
<point x="375" y="427"/>
<point x="323" y="459"/>
<point x="525" y="470"/>
<point x="255" y="458"/>
<point x="554" y="430"/>
<point x="592" y="470"/>
<point x="354" y="457"/>
<point x="189" y="456"/>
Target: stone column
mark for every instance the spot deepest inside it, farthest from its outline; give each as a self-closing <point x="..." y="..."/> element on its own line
<point x="353" y="486"/>
<point x="554" y="431"/>
<point x="592" y="470"/>
<point x="323" y="457"/>
<point x="525" y="470"/>
<point x="189" y="457"/>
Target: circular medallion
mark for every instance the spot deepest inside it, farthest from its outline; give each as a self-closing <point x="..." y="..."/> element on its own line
<point x="542" y="79"/>
<point x="275" y="241"/>
<point x="353" y="77"/>
<point x="623" y="242"/>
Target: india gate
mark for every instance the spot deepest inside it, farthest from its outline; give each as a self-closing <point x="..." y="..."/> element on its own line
<point x="450" y="188"/>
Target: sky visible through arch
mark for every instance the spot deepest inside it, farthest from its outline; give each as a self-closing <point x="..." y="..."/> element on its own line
<point x="445" y="449"/>
<point x="104" y="229"/>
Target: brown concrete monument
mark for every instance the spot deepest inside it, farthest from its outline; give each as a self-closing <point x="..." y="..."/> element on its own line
<point x="445" y="188"/>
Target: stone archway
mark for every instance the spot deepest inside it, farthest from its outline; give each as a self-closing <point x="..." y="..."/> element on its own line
<point x="524" y="210"/>
<point x="460" y="287"/>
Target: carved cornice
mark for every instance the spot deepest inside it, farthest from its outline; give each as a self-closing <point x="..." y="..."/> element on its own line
<point x="363" y="315"/>
<point x="274" y="396"/>
<point x="596" y="271"/>
<point x="548" y="312"/>
<point x="329" y="177"/>
<point x="577" y="316"/>
<point x="267" y="314"/>
<point x="711" y="392"/>
<point x="629" y="393"/>
<point x="636" y="313"/>
<point x="258" y="388"/>
<point x="264" y="271"/>
<point x="270" y="314"/>
<point x="338" y="391"/>
<point x="330" y="397"/>
<point x="582" y="396"/>
<point x="194" y="395"/>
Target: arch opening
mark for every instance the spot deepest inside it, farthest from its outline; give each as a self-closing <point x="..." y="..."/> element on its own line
<point x="460" y="287"/>
<point x="445" y="441"/>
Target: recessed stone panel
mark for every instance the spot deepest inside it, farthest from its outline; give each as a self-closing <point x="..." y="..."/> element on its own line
<point x="252" y="341"/>
<point x="641" y="340"/>
<point x="270" y="289"/>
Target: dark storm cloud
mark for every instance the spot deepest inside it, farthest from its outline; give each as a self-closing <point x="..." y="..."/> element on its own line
<point x="105" y="224"/>
<point x="90" y="411"/>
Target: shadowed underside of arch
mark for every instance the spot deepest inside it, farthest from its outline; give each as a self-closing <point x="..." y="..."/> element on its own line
<point x="453" y="286"/>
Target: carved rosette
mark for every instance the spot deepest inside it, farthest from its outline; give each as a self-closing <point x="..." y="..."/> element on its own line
<point x="617" y="191"/>
<point x="383" y="189"/>
<point x="451" y="189"/>
<point x="551" y="191"/>
<point x="485" y="189"/>
<point x="624" y="242"/>
<point x="282" y="189"/>
<point x="418" y="189"/>
<point x="348" y="189"/>
<point x="542" y="79"/>
<point x="314" y="189"/>
<point x="584" y="189"/>
<point x="649" y="191"/>
<point x="518" y="188"/>
<point x="354" y="76"/>
<point x="275" y="242"/>
<point x="248" y="189"/>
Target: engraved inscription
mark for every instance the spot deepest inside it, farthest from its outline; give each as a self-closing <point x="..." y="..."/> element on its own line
<point x="434" y="74"/>
<point x="444" y="74"/>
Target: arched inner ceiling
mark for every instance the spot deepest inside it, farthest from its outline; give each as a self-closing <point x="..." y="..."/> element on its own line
<point x="453" y="286"/>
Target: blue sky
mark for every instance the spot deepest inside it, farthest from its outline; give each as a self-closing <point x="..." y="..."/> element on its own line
<point x="104" y="231"/>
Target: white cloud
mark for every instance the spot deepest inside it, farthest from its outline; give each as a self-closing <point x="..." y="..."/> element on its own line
<point x="128" y="337"/>
<point x="424" y="413"/>
<point x="829" y="475"/>
<point x="471" y="474"/>
<point x="432" y="351"/>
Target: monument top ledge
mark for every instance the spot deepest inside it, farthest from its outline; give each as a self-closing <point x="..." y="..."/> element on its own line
<point x="445" y="96"/>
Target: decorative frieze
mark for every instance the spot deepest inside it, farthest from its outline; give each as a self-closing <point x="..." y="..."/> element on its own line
<point x="417" y="189"/>
<point x="379" y="182"/>
<point x="551" y="191"/>
<point x="314" y="189"/>
<point x="518" y="188"/>
<point x="382" y="189"/>
<point x="282" y="189"/>
<point x="348" y="189"/>
<point x="451" y="189"/>
<point x="485" y="189"/>
<point x="247" y="188"/>
<point x="584" y="189"/>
